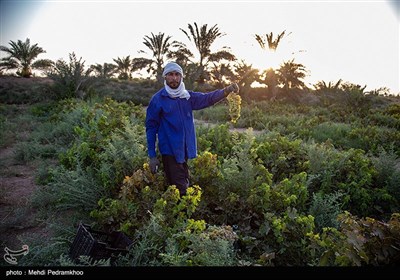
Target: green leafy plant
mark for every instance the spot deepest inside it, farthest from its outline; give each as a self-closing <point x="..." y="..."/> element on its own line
<point x="71" y="78"/>
<point x="325" y="208"/>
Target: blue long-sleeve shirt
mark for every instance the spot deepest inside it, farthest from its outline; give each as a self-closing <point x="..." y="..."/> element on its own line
<point x="172" y="120"/>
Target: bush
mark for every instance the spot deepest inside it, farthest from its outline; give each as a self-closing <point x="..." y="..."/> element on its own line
<point x="325" y="208"/>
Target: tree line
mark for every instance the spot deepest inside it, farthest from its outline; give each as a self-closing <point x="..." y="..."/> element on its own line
<point x="217" y="68"/>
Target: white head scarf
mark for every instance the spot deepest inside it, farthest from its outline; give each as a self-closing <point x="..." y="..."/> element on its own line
<point x="180" y="91"/>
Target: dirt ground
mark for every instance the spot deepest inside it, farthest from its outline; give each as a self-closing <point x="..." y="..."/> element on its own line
<point x="18" y="219"/>
<point x="16" y="186"/>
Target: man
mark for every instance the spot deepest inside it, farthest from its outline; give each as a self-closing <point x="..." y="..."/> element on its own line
<point x="170" y="118"/>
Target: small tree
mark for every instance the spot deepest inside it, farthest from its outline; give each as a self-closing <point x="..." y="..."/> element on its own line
<point x="71" y="79"/>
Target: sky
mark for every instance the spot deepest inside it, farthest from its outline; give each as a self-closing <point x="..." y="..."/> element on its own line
<point x="356" y="41"/>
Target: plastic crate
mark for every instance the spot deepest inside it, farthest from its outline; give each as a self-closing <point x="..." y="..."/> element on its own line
<point x="98" y="245"/>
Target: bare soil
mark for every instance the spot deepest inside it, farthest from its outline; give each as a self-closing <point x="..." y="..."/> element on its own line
<point x="17" y="184"/>
<point x="18" y="219"/>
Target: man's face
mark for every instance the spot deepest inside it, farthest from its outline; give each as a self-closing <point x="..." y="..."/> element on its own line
<point x="173" y="79"/>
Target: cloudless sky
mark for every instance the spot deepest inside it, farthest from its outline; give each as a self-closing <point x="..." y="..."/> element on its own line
<point x="357" y="41"/>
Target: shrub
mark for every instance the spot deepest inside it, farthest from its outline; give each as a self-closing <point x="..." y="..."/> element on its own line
<point x="325" y="208"/>
<point x="71" y="79"/>
<point x="281" y="156"/>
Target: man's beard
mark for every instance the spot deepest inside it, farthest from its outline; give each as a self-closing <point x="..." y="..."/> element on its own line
<point x="174" y="84"/>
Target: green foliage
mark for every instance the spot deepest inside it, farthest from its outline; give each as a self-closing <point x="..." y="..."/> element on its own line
<point x="388" y="175"/>
<point x="44" y="254"/>
<point x="213" y="247"/>
<point x="325" y="208"/>
<point x="337" y="133"/>
<point x="388" y="116"/>
<point x="28" y="151"/>
<point x="174" y="255"/>
<point x="75" y="189"/>
<point x="278" y="190"/>
<point x="31" y="91"/>
<point x="124" y="152"/>
<point x="71" y="79"/>
<point x="137" y="91"/>
<point x="281" y="156"/>
<point x="393" y="110"/>
<point x="49" y="244"/>
<point x="218" y="113"/>
<point x="346" y="98"/>
<point x="169" y="221"/>
<point x="6" y="126"/>
<point x="371" y="138"/>
<point x="350" y="172"/>
<point x="252" y="117"/>
<point x="131" y="205"/>
<point x="103" y="141"/>
<point x="289" y="237"/>
<point x="239" y="175"/>
<point x="21" y="56"/>
<point x="246" y="194"/>
<point x="148" y="243"/>
<point x="217" y="140"/>
<point x="276" y="198"/>
<point x="206" y="170"/>
<point x="363" y="241"/>
<point x="174" y="209"/>
<point x="291" y="193"/>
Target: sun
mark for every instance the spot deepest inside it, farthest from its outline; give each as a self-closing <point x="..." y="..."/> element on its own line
<point x="272" y="50"/>
<point x="263" y="59"/>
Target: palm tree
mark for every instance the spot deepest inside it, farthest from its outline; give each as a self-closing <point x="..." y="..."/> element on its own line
<point x="221" y="74"/>
<point x="21" y="56"/>
<point x="290" y="75"/>
<point x="181" y="54"/>
<point x="270" y="78"/>
<point x="123" y="67"/>
<point x="160" y="46"/>
<point x="203" y="38"/>
<point x="245" y="75"/>
<point x="103" y="71"/>
<point x="331" y="87"/>
<point x="269" y="41"/>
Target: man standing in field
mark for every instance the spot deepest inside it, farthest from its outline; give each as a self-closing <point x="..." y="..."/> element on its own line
<point x="169" y="118"/>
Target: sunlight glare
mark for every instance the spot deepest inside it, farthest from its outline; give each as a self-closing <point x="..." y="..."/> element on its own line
<point x="263" y="59"/>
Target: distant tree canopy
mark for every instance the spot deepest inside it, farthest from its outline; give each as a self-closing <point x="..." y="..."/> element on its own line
<point x="104" y="71"/>
<point x="218" y="68"/>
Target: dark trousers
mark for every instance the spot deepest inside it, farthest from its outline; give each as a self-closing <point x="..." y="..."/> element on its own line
<point x="177" y="173"/>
